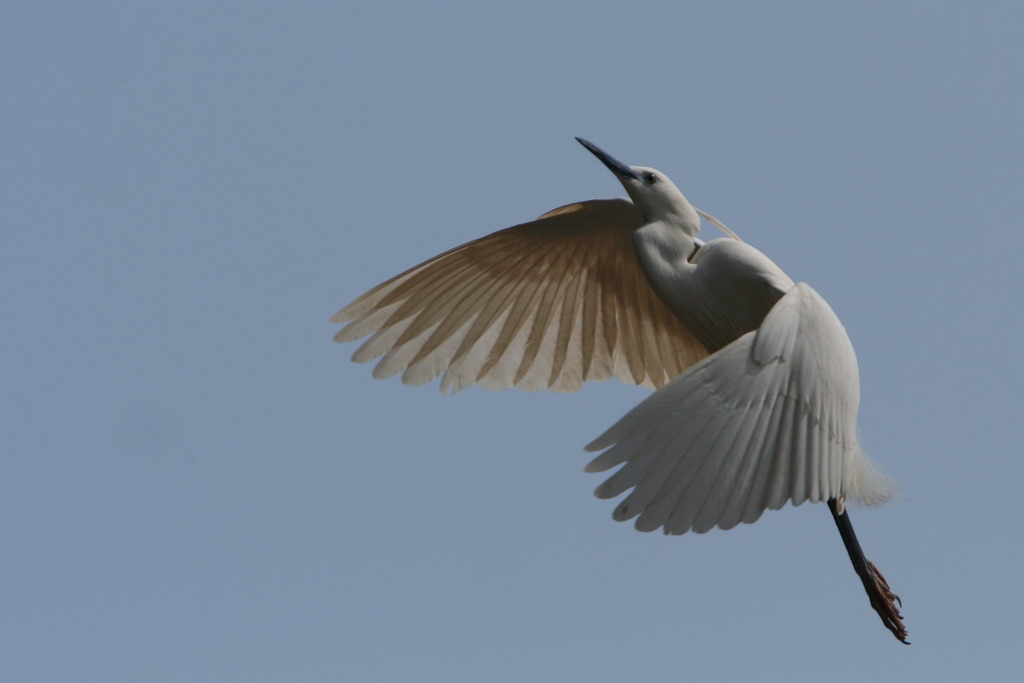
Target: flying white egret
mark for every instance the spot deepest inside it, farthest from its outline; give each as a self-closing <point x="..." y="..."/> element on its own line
<point x="757" y="382"/>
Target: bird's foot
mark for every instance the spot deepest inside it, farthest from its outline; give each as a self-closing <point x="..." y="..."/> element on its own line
<point x="886" y="603"/>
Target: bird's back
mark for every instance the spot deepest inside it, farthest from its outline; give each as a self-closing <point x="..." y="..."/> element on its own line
<point x="724" y="290"/>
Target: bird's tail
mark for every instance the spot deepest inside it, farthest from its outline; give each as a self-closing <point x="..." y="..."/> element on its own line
<point x="869" y="485"/>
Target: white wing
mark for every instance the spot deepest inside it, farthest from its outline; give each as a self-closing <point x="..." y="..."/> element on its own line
<point x="770" y="418"/>
<point x="543" y="305"/>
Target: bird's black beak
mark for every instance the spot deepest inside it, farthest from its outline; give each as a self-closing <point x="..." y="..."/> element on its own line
<point x="617" y="167"/>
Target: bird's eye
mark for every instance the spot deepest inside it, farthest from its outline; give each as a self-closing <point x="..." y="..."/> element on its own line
<point x="650" y="178"/>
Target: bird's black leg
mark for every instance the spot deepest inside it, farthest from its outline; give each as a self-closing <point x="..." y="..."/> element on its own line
<point x="883" y="600"/>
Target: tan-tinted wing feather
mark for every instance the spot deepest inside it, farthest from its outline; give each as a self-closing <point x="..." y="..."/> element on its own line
<point x="548" y="304"/>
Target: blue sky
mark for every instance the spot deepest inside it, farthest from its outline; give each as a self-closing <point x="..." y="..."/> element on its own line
<point x="196" y="484"/>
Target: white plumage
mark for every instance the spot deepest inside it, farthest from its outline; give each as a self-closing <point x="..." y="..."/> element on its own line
<point x="764" y="421"/>
<point x="756" y="381"/>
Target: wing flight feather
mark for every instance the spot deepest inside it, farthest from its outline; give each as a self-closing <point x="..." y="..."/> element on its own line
<point x="769" y="419"/>
<point x="548" y="304"/>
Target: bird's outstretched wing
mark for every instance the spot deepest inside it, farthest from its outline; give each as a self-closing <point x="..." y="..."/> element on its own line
<point x="547" y="304"/>
<point x="770" y="418"/>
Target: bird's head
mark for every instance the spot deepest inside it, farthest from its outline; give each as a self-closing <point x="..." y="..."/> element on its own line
<point x="651" y="191"/>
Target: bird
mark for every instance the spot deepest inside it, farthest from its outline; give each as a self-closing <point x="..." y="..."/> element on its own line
<point x="755" y="382"/>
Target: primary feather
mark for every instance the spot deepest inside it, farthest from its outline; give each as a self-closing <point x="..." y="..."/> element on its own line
<point x="548" y="304"/>
<point x="769" y="419"/>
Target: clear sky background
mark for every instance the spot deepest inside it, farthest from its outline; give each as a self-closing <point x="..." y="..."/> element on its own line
<point x="197" y="485"/>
